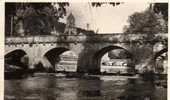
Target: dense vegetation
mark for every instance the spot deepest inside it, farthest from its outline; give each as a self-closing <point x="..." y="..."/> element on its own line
<point x="33" y="18"/>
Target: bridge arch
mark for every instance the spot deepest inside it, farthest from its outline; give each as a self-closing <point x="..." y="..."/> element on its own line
<point x="55" y="55"/>
<point x="52" y="54"/>
<point x="100" y="53"/>
<point x="161" y="61"/>
<point x="157" y="54"/>
<point x="17" y="57"/>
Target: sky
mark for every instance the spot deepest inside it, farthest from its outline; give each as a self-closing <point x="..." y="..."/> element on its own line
<point x="104" y="19"/>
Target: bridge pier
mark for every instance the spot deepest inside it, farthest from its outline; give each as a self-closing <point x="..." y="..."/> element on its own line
<point x="86" y="64"/>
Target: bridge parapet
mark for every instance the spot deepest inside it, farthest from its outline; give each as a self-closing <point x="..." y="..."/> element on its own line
<point x="45" y="39"/>
<point x="82" y="38"/>
<point x="128" y="37"/>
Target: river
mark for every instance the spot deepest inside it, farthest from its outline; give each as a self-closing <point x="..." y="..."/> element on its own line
<point x="50" y="87"/>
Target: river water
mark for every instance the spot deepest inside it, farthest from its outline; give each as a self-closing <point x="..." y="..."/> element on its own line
<point x="50" y="87"/>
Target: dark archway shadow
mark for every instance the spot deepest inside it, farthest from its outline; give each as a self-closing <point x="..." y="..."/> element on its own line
<point x="160" y="52"/>
<point x="53" y="54"/>
<point x="160" y="67"/>
<point x="14" y="57"/>
<point x="16" y="64"/>
<point x="54" y="57"/>
<point x="99" y="54"/>
<point x="156" y="73"/>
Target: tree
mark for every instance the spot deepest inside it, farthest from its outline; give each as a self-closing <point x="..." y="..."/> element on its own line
<point x="161" y="8"/>
<point x="37" y="18"/>
<point x="147" y="22"/>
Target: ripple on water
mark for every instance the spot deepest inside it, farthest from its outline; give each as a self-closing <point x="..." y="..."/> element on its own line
<point x="104" y="88"/>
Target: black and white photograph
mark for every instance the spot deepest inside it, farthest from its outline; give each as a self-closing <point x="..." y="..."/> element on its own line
<point x="86" y="50"/>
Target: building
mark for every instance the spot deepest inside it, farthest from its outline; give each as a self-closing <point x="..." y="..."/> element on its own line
<point x="67" y="64"/>
<point x="115" y="66"/>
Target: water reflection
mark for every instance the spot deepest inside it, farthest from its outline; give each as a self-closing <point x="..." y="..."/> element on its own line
<point x="138" y="90"/>
<point x="52" y="88"/>
<point x="89" y="89"/>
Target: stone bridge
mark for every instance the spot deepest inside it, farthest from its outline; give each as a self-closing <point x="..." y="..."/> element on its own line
<point x="89" y="48"/>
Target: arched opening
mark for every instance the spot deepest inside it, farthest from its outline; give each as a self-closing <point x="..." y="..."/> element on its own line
<point x="62" y="60"/>
<point x="113" y="60"/>
<point x="161" y="61"/>
<point x="15" y="59"/>
<point x="16" y="64"/>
